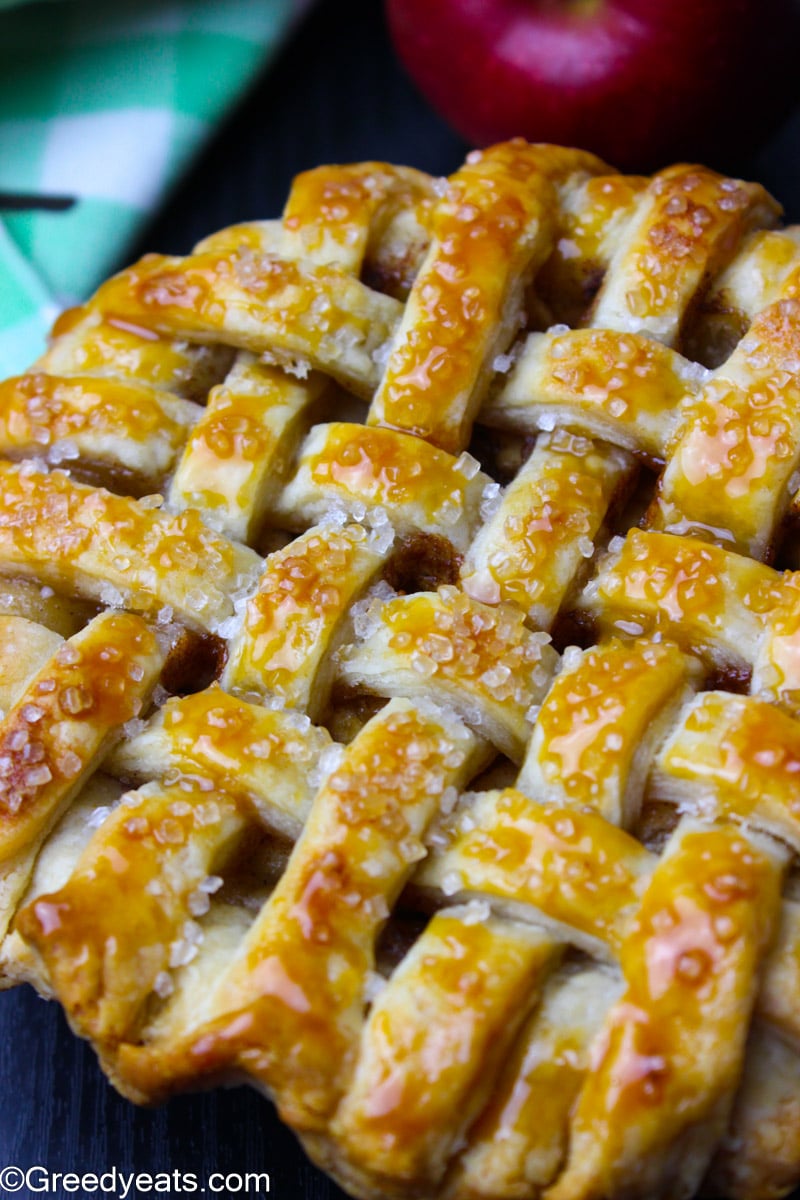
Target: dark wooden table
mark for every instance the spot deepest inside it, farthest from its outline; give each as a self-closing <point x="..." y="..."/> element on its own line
<point x="335" y="94"/>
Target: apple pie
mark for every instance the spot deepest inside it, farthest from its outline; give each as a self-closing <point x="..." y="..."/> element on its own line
<point x="400" y="675"/>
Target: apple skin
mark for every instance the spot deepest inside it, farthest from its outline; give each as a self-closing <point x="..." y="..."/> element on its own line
<point x="639" y="82"/>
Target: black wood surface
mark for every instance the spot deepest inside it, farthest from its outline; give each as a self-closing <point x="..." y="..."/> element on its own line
<point x="335" y="94"/>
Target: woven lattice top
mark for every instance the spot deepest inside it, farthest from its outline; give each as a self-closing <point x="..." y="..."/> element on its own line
<point x="298" y="535"/>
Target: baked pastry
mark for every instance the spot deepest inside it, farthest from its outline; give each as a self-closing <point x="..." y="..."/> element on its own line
<point x="461" y="820"/>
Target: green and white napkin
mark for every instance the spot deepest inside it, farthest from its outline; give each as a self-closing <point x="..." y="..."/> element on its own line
<point x="106" y="101"/>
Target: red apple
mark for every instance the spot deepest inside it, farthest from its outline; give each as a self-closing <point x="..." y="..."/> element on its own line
<point x="637" y="81"/>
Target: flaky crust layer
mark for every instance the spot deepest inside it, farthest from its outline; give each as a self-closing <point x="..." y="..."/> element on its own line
<point x="302" y="778"/>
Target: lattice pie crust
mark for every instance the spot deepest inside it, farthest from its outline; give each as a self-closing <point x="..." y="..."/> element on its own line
<point x="487" y="914"/>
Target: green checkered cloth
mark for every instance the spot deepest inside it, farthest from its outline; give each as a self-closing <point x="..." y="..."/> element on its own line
<point x="106" y="101"/>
